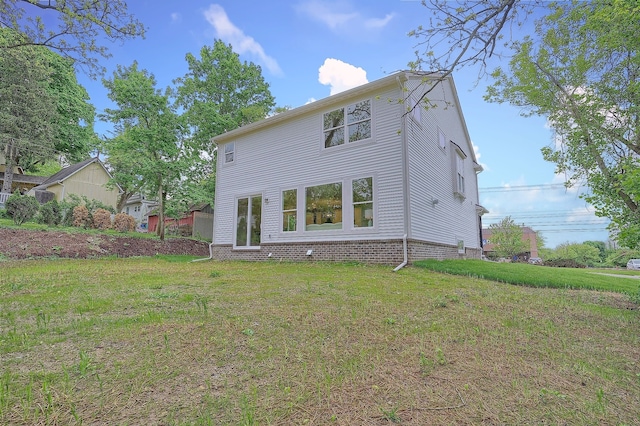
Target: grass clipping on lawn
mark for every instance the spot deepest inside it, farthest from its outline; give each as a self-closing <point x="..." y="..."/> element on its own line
<point x="163" y="341"/>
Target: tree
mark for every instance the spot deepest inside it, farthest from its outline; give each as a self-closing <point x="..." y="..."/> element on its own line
<point x="583" y="73"/>
<point x="583" y="254"/>
<point x="220" y="93"/>
<point x="471" y="31"/>
<point x="152" y="134"/>
<point x="26" y="108"/>
<point x="580" y="70"/>
<point x="44" y="110"/>
<point x="507" y="238"/>
<point x="79" y="24"/>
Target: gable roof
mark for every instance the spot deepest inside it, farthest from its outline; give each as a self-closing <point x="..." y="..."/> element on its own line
<point x="69" y="171"/>
<point x="397" y="78"/>
<point x="313" y="106"/>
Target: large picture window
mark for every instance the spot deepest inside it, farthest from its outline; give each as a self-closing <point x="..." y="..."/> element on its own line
<point x="249" y="221"/>
<point x="289" y="210"/>
<point x="357" y="117"/>
<point x="323" y="207"/>
<point x="362" y="202"/>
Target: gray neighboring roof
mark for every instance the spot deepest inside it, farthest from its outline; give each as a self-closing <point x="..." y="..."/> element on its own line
<point x="20" y="178"/>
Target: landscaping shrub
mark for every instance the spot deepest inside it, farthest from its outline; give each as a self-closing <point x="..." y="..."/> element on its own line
<point x="81" y="217"/>
<point x="124" y="223"/>
<point x="564" y="263"/>
<point x="66" y="209"/>
<point x="50" y="213"/>
<point x="21" y="208"/>
<point x="101" y="219"/>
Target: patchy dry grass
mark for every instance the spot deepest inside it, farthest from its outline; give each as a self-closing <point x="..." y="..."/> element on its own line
<point x="163" y="341"/>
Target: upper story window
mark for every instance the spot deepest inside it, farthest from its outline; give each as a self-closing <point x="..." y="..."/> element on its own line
<point x="442" y="139"/>
<point x="229" y="152"/>
<point x="352" y="123"/>
<point x="458" y="171"/>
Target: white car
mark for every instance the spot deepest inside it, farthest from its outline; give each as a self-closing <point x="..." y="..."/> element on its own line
<point x="633" y="264"/>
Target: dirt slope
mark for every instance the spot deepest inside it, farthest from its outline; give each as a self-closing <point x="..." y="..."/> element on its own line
<point x="25" y="244"/>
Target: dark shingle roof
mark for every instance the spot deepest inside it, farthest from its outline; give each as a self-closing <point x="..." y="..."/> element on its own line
<point x="66" y="172"/>
<point x="20" y="178"/>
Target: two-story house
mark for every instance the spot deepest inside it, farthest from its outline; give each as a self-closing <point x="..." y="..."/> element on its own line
<point x="359" y="176"/>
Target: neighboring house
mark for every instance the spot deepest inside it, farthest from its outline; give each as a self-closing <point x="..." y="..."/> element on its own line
<point x="196" y="223"/>
<point x="529" y="236"/>
<point x="355" y="176"/>
<point x="139" y="207"/>
<point x="87" y="178"/>
<point x="23" y="183"/>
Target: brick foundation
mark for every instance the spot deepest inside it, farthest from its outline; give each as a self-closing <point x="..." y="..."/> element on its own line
<point x="386" y="252"/>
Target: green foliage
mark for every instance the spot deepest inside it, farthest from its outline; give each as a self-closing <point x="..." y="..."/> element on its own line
<point x="507" y="238"/>
<point x="620" y="258"/>
<point x="580" y="72"/>
<point x="73" y="28"/>
<point x="582" y="254"/>
<point x="220" y="93"/>
<point x="27" y="113"/>
<point x="21" y="208"/>
<point x="153" y="135"/>
<point x="50" y="213"/>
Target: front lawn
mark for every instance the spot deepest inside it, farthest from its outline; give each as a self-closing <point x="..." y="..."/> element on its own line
<point x="165" y="341"/>
<point x="539" y="276"/>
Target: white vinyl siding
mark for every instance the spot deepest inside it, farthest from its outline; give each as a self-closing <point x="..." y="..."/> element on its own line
<point x="431" y="172"/>
<point x="287" y="156"/>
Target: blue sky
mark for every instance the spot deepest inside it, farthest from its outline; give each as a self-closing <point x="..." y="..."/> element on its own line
<point x="309" y="49"/>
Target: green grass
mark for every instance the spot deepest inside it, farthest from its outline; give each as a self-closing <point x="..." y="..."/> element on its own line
<point x="165" y="341"/>
<point x="538" y="276"/>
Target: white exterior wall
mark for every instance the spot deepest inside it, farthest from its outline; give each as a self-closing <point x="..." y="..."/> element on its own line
<point x="431" y="174"/>
<point x="291" y="154"/>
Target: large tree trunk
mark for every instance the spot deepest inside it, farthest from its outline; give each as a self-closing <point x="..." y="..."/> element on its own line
<point x="8" y="173"/>
<point x="161" y="196"/>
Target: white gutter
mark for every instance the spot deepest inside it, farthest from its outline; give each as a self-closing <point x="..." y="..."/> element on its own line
<point x="405" y="178"/>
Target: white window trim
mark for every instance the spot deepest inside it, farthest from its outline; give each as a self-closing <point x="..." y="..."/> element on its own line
<point x="235" y="221"/>
<point x="373" y="201"/>
<point x="442" y="140"/>
<point x="345" y="126"/>
<point x="282" y="211"/>
<point x="458" y="170"/>
<point x="303" y="228"/>
<point x="224" y="154"/>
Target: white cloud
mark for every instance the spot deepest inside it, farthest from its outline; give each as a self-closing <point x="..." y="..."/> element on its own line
<point x="476" y="151"/>
<point x="241" y="42"/>
<point x="176" y="17"/>
<point x="379" y="22"/>
<point x="340" y="15"/>
<point x="340" y="75"/>
<point x="310" y="100"/>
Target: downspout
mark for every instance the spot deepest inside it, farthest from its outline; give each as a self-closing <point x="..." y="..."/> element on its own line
<point x="405" y="180"/>
<point x="406" y="260"/>
<point x="215" y="149"/>
<point x="210" y="253"/>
